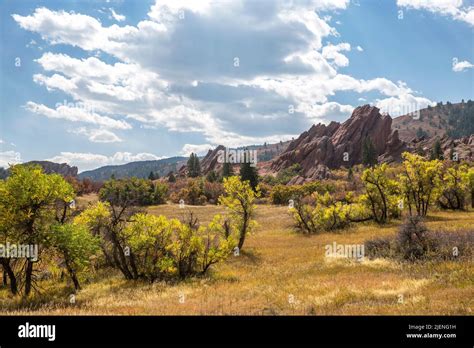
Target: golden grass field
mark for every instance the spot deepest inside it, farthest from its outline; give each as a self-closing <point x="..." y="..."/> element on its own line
<point x="279" y="272"/>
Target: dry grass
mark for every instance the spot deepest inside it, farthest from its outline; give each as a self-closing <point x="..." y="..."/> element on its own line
<point x="281" y="272"/>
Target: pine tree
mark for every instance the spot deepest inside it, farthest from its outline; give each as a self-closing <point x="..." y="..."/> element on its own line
<point x="151" y="176"/>
<point x="171" y="177"/>
<point x="194" y="167"/>
<point x="211" y="176"/>
<point x="249" y="173"/>
<point x="227" y="170"/>
<point x="437" y="152"/>
<point x="369" y="155"/>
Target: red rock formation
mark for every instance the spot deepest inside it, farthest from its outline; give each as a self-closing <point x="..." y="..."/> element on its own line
<point x="339" y="145"/>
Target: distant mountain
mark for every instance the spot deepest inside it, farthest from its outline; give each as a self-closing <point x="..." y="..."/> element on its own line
<point x="58" y="168"/>
<point x="265" y="153"/>
<point x="140" y="169"/>
<point x="454" y="120"/>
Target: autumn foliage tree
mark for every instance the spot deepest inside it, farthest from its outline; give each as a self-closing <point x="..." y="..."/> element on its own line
<point x="239" y="200"/>
<point x="380" y="192"/>
<point x="454" y="187"/>
<point x="28" y="202"/>
<point x="420" y="182"/>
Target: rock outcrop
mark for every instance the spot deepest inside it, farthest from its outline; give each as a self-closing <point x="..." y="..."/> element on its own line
<point x="337" y="145"/>
<point x="463" y="147"/>
<point x="210" y="162"/>
<point x="63" y="169"/>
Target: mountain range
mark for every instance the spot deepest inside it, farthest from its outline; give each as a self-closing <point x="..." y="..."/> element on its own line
<point x="324" y="147"/>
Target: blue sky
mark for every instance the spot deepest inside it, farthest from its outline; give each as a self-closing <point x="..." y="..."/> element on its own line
<point x="93" y="83"/>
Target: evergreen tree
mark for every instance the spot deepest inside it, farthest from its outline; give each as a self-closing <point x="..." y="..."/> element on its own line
<point x="194" y="167"/>
<point x="227" y="170"/>
<point x="249" y="173"/>
<point x="171" y="177"/>
<point x="369" y="155"/>
<point x="151" y="176"/>
<point x="437" y="152"/>
<point x="211" y="176"/>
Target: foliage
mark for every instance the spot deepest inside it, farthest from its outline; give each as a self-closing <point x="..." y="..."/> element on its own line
<point x="133" y="192"/>
<point x="419" y="182"/>
<point x="227" y="170"/>
<point x="192" y="194"/>
<point x="381" y="193"/>
<point x="437" y="152"/>
<point x="239" y="200"/>
<point x="285" y="175"/>
<point x="461" y="120"/>
<point x="211" y="176"/>
<point x="164" y="248"/>
<point x="194" y="167"/>
<point x="282" y="194"/>
<point x="29" y="199"/>
<point x="327" y="214"/>
<point x="412" y="241"/>
<point x="454" y="187"/>
<point x="212" y="191"/>
<point x="171" y="177"/>
<point x="369" y="154"/>
<point x="77" y="245"/>
<point x="470" y="175"/>
<point x="249" y="173"/>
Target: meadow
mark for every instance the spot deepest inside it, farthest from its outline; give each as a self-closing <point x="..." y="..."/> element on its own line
<point x="279" y="272"/>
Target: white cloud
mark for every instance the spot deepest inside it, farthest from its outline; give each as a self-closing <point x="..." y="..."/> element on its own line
<point x="403" y="104"/>
<point x="87" y="161"/>
<point x="461" y="66"/>
<point x="97" y="135"/>
<point x="76" y="114"/>
<point x="9" y="158"/>
<point x="360" y="49"/>
<point x="152" y="79"/>
<point x="452" y="8"/>
<point x="200" y="150"/>
<point x="332" y="52"/>
<point x="116" y="16"/>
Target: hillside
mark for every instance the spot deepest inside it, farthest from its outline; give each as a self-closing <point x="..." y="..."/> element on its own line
<point x="140" y="169"/>
<point x="455" y="120"/>
<point x="265" y="153"/>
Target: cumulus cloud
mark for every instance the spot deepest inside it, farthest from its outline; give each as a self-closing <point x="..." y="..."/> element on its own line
<point x="87" y="161"/>
<point x="200" y="149"/>
<point x="403" y="104"/>
<point x="332" y="52"/>
<point x="461" y="66"/>
<point x="76" y="114"/>
<point x="97" y="135"/>
<point x="169" y="74"/>
<point x="8" y="158"/>
<point x="453" y="8"/>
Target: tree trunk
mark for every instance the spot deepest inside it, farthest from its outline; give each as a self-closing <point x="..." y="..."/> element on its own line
<point x="72" y="274"/>
<point x="28" y="277"/>
<point x="243" y="232"/>
<point x="7" y="270"/>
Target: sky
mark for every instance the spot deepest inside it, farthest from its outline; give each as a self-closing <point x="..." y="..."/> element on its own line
<point x="93" y="83"/>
